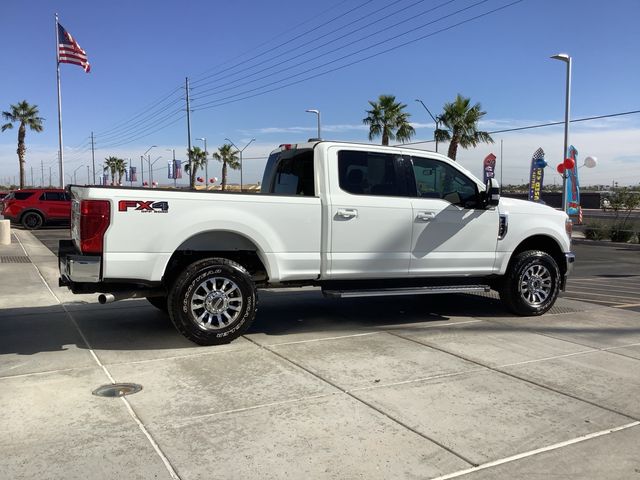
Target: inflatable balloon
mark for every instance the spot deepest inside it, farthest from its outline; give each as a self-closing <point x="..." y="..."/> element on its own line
<point x="569" y="163"/>
<point x="560" y="168"/>
<point x="590" y="162"/>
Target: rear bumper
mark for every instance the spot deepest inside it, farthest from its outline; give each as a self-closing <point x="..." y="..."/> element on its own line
<point x="76" y="268"/>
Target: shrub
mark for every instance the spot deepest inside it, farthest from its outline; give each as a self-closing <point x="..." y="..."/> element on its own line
<point x="596" y="230"/>
<point x="620" y="233"/>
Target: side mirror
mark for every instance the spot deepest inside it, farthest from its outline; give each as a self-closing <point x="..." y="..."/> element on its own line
<point x="492" y="193"/>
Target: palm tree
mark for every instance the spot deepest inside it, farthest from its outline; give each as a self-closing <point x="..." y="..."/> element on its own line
<point x="229" y="157"/>
<point x="198" y="160"/>
<point x="388" y="119"/>
<point x="115" y="166"/>
<point x="461" y="122"/>
<point x="27" y="116"/>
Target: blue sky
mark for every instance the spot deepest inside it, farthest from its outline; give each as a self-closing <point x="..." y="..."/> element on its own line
<point x="142" y="51"/>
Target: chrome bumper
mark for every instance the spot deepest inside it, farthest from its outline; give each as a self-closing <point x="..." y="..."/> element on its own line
<point x="571" y="258"/>
<point x="77" y="268"/>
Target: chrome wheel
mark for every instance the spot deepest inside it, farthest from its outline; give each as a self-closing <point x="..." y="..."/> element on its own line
<point x="216" y="303"/>
<point x="536" y="284"/>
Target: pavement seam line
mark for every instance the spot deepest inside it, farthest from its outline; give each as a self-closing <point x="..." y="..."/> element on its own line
<point x="537" y="451"/>
<point x="371" y="406"/>
<point x="46" y="372"/>
<point x="417" y="380"/>
<point x="522" y="379"/>
<point x="172" y="473"/>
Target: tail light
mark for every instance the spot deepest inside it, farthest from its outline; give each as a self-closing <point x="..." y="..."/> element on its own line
<point x="94" y="220"/>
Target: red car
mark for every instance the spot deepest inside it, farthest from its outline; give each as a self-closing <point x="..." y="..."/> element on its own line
<point x="33" y="207"/>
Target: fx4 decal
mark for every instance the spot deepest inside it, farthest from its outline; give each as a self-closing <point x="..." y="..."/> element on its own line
<point x="143" y="206"/>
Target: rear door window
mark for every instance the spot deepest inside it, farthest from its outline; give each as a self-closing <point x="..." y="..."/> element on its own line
<point x="369" y="173"/>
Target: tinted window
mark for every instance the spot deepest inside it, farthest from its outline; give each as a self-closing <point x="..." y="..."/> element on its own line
<point x="435" y="179"/>
<point x="368" y="173"/>
<point x="54" y="196"/>
<point x="22" y="195"/>
<point x="289" y="173"/>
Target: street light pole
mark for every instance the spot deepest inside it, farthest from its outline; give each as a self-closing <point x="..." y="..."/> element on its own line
<point x="563" y="57"/>
<point x="206" y="163"/>
<point x="250" y="142"/>
<point x="151" y="169"/>
<point x="317" y="112"/>
<point x="142" y="163"/>
<point x="75" y="181"/>
<point x="437" y="122"/>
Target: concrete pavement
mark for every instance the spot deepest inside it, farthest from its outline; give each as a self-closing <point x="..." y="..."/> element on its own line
<point x="425" y="387"/>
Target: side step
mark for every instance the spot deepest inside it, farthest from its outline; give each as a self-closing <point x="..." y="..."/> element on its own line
<point x="385" y="292"/>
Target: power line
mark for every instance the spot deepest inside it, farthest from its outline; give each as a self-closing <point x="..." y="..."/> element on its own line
<point x="149" y="107"/>
<point x="341" y="28"/>
<point x="227" y="100"/>
<point x="540" y="125"/>
<point x="134" y="138"/>
<point x="290" y="40"/>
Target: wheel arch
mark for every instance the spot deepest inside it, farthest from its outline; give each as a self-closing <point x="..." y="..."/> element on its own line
<point x="219" y="243"/>
<point x="544" y="243"/>
<point x="32" y="210"/>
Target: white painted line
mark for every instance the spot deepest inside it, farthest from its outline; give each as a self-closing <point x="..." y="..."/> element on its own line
<point x="608" y="288"/>
<point x="589" y="300"/>
<point x="627" y="305"/>
<point x="530" y="453"/>
<point x="601" y="294"/>
<point x="582" y="352"/>
<point x="322" y="339"/>
<point x="133" y="414"/>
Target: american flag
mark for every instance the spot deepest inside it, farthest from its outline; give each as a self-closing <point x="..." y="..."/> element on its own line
<point x="69" y="51"/>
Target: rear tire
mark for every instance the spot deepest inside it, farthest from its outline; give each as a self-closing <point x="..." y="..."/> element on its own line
<point x="213" y="301"/>
<point x="32" y="220"/>
<point x="532" y="283"/>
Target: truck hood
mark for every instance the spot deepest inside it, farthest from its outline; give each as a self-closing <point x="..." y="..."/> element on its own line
<point x="517" y="206"/>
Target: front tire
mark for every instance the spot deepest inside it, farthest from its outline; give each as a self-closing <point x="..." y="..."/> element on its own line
<point x="532" y="283"/>
<point x="32" y="220"/>
<point x="213" y="301"/>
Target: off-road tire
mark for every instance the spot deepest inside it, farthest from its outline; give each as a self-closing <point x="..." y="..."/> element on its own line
<point x="200" y="290"/>
<point x="531" y="284"/>
<point x="32" y="220"/>
<point x="159" y="302"/>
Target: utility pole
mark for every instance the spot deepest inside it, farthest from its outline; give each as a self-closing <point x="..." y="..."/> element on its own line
<point x="93" y="157"/>
<point x="191" y="175"/>
<point x="41" y="173"/>
<point x="141" y="169"/>
<point x="88" y="176"/>
<point x="49" y="175"/>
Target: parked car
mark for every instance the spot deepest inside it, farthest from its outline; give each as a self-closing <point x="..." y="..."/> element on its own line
<point x="33" y="207"/>
<point x="356" y="220"/>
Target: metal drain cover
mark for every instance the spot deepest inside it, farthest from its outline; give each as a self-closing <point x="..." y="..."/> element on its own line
<point x="117" y="389"/>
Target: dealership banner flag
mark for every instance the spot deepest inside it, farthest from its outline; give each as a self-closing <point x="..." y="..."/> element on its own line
<point x="573" y="186"/>
<point x="488" y="167"/>
<point x="536" y="175"/>
<point x="133" y="175"/>
<point x="170" y="169"/>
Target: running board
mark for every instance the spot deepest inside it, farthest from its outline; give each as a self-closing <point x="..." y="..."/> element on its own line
<point x="384" y="292"/>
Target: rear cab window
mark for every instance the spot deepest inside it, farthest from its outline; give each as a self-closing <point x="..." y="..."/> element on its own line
<point x="289" y="172"/>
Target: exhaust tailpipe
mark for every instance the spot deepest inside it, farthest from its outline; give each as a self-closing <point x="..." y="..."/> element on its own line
<point x="105" y="298"/>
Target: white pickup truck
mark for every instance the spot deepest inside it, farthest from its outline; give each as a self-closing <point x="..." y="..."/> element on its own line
<point x="353" y="219"/>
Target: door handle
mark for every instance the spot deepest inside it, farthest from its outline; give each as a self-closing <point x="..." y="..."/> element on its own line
<point x="347" y="213"/>
<point x="425" y="216"/>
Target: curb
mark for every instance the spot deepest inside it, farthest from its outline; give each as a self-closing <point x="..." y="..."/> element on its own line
<point x="601" y="243"/>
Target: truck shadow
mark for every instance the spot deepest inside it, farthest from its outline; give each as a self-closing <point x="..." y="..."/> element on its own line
<point x="137" y="326"/>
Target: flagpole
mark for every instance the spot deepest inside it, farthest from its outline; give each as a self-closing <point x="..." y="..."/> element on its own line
<point x="60" y="154"/>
